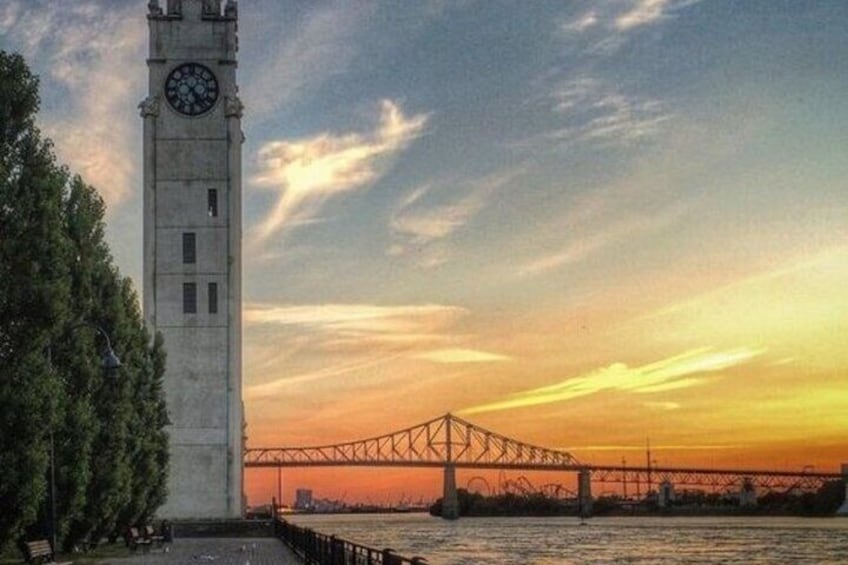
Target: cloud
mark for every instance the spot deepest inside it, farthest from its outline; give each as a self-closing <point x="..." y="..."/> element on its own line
<point x="666" y="374"/>
<point x="92" y="78"/>
<point x="9" y="14"/>
<point x="581" y="23"/>
<point x="417" y="222"/>
<point x="449" y="356"/>
<point x="607" y="26"/>
<point x="608" y="234"/>
<point x="307" y="172"/>
<point x="642" y="13"/>
<point x="273" y="388"/>
<point x="298" y="60"/>
<point x="436" y="222"/>
<point x="596" y="111"/>
<point x="389" y="323"/>
<point x="658" y="405"/>
<point x="824" y="270"/>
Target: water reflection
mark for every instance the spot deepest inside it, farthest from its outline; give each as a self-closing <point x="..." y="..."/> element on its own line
<point x="549" y="541"/>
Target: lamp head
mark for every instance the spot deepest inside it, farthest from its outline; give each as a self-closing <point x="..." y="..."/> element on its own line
<point x="110" y="360"/>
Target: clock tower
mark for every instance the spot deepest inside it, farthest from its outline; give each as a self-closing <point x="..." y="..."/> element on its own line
<point x="192" y="247"/>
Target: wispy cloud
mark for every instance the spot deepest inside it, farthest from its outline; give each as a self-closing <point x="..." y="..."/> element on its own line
<point x="389" y="323"/>
<point x="425" y="225"/>
<point x="418" y="222"/>
<point x="581" y="23"/>
<point x="643" y="12"/>
<point x="594" y="110"/>
<point x="449" y="356"/>
<point x="826" y="263"/>
<point x="296" y="61"/>
<point x="9" y="14"/>
<point x="273" y="388"/>
<point x="307" y="172"/>
<point x="667" y="374"/>
<point x="662" y="405"/>
<point x="598" y="111"/>
<point x="607" y="26"/>
<point x="92" y="54"/>
<point x="586" y="242"/>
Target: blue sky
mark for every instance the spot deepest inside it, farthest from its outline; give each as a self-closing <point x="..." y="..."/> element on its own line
<point x="457" y="205"/>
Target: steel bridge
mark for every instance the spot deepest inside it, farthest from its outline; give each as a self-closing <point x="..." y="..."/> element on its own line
<point x="450" y="442"/>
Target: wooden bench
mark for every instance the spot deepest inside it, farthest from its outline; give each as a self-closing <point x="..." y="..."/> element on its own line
<point x="135" y="540"/>
<point x="151" y="535"/>
<point x="41" y="553"/>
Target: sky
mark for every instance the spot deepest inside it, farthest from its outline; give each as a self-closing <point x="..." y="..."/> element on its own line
<point x="579" y="224"/>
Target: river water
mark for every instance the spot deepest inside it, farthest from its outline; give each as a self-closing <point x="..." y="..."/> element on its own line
<point x="547" y="541"/>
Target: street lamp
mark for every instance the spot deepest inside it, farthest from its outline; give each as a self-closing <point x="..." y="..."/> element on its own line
<point x="110" y="362"/>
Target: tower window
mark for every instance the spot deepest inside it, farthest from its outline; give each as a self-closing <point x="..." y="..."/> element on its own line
<point x="189" y="248"/>
<point x="213" y="298"/>
<point x="189" y="298"/>
<point x="212" y="202"/>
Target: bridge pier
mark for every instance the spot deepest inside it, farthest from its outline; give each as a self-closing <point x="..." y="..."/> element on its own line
<point x="843" y="510"/>
<point x="584" y="492"/>
<point x="665" y="496"/>
<point x="450" y="501"/>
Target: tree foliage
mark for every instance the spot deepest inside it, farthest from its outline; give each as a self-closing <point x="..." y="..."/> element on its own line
<point x="58" y="284"/>
<point x="506" y="504"/>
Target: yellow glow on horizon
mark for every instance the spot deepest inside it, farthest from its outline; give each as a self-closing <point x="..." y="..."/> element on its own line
<point x="799" y="311"/>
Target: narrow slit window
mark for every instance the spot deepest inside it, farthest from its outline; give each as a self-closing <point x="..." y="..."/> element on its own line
<point x="189" y="248"/>
<point x="212" y="202"/>
<point x="189" y="298"/>
<point x="213" y="298"/>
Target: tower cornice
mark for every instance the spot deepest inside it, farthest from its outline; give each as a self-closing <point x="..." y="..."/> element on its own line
<point x="208" y="9"/>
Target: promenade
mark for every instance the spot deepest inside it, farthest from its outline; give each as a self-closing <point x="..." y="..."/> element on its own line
<point x="216" y="551"/>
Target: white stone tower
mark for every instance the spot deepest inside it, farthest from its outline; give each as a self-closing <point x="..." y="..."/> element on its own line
<point x="192" y="247"/>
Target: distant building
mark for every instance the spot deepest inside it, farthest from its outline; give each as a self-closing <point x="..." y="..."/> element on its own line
<point x="303" y="499"/>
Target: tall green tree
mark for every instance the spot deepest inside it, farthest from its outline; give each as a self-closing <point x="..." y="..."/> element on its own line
<point x="147" y="442"/>
<point x="58" y="285"/>
<point x="34" y="296"/>
<point x="90" y="394"/>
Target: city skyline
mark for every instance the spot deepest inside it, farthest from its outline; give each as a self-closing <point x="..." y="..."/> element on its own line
<point x="579" y="224"/>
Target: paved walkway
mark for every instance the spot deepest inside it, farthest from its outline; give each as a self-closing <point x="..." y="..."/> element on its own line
<point x="216" y="551"/>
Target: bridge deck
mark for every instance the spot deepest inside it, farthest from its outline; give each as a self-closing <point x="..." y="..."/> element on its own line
<point x="217" y="551"/>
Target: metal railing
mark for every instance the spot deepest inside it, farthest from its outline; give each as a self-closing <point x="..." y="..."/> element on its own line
<point x="319" y="549"/>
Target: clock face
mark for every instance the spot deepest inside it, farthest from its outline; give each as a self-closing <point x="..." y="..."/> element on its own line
<point x="191" y="89"/>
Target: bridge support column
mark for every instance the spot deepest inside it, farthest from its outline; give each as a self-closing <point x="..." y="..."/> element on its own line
<point x="584" y="493"/>
<point x="843" y="510"/>
<point x="450" y="501"/>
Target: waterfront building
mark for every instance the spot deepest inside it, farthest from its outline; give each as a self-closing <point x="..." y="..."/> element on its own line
<point x="303" y="499"/>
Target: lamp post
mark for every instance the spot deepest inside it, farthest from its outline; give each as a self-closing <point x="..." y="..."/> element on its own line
<point x="109" y="362"/>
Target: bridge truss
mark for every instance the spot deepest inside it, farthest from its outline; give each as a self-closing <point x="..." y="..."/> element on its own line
<point x="450" y="441"/>
<point x="447" y="440"/>
<point x="718" y="479"/>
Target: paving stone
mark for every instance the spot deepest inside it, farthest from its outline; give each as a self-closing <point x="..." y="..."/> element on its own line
<point x="216" y="551"/>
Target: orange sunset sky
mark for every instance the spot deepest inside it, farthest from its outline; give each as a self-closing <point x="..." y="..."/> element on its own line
<point x="579" y="224"/>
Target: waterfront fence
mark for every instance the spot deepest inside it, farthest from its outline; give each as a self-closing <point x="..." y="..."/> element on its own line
<point x="320" y="549"/>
